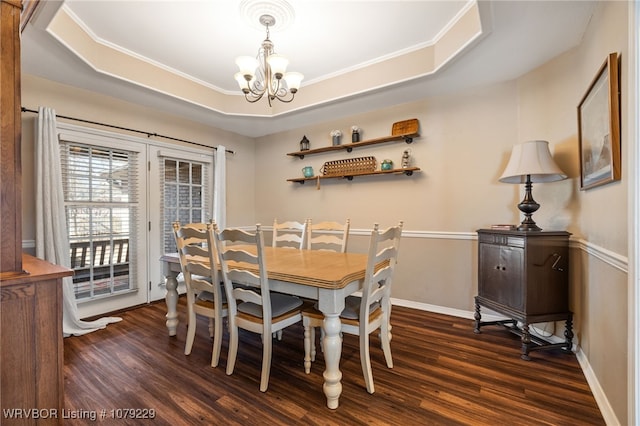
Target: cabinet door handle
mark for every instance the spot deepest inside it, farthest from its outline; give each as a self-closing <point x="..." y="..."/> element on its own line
<point x="554" y="265"/>
<point x="498" y="267"/>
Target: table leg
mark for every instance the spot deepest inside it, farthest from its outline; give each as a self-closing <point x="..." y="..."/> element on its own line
<point x="332" y="347"/>
<point x="171" y="283"/>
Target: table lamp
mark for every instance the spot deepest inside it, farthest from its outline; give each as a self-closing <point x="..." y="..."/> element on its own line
<point x="531" y="162"/>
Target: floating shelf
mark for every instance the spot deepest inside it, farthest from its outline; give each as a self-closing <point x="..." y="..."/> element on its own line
<point x="406" y="171"/>
<point x="408" y="138"/>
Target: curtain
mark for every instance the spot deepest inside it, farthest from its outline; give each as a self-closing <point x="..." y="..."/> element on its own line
<point x="52" y="240"/>
<point x="220" y="188"/>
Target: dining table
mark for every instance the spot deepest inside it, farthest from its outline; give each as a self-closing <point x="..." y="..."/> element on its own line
<point x="326" y="276"/>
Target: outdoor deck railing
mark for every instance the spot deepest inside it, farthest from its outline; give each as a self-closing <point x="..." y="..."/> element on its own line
<point x="83" y="259"/>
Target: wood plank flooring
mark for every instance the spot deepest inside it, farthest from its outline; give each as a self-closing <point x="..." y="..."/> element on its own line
<point x="443" y="374"/>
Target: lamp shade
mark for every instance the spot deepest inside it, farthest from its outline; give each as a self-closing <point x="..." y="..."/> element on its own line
<point x="293" y="80"/>
<point x="278" y="65"/>
<point x="532" y="159"/>
<point x="247" y="65"/>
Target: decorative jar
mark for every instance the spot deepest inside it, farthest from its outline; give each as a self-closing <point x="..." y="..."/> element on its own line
<point x="307" y="171"/>
<point x="335" y="137"/>
<point x="355" y="134"/>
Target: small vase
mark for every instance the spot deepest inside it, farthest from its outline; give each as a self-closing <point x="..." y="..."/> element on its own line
<point x="355" y="137"/>
<point x="336" y="140"/>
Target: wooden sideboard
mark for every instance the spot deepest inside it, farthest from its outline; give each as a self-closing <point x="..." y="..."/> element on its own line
<point x="31" y="347"/>
<point x="524" y="276"/>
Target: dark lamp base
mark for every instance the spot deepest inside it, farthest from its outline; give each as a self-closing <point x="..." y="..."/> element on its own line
<point x="528" y="226"/>
<point x="528" y="206"/>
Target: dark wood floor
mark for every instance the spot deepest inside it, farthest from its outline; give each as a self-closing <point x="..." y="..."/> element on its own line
<point x="443" y="374"/>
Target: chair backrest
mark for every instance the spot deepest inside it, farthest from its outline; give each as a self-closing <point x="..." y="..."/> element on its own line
<point x="331" y="236"/>
<point x="381" y="263"/>
<point x="237" y="245"/>
<point x="289" y="234"/>
<point x="198" y="259"/>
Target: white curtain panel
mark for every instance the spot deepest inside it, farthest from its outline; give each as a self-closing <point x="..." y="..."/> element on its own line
<point x="52" y="241"/>
<point x="220" y="188"/>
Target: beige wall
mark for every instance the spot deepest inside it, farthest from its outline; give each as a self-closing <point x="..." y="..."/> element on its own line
<point x="597" y="217"/>
<point x="464" y="144"/>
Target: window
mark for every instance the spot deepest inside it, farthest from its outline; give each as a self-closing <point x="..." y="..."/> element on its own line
<point x="183" y="196"/>
<point x="101" y="206"/>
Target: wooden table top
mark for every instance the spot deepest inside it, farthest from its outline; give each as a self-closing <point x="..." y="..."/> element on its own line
<point x="317" y="268"/>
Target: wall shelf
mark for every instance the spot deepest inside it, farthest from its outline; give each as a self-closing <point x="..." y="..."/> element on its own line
<point x="406" y="171"/>
<point x="408" y="138"/>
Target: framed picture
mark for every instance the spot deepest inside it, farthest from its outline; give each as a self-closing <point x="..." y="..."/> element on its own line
<point x="599" y="127"/>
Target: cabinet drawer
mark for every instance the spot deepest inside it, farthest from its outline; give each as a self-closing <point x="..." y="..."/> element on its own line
<point x="503" y="240"/>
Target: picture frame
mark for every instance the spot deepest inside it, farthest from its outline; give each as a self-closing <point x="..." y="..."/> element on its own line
<point x="599" y="127"/>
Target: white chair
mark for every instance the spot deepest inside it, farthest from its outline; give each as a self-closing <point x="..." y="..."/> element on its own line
<point x="252" y="307"/>
<point x="328" y="236"/>
<point x="363" y="315"/>
<point x="205" y="295"/>
<point x="289" y="234"/>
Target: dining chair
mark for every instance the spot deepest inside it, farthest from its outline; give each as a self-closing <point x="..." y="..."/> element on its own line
<point x="328" y="235"/>
<point x="205" y="295"/>
<point x="289" y="234"/>
<point x="364" y="314"/>
<point x="253" y="306"/>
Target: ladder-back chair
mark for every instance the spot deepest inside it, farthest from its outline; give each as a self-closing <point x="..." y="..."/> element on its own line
<point x="252" y="306"/>
<point x="205" y="295"/>
<point x="332" y="236"/>
<point x="366" y="314"/>
<point x="289" y="234"/>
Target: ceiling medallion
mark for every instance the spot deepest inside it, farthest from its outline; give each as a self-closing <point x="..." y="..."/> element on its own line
<point x="281" y="11"/>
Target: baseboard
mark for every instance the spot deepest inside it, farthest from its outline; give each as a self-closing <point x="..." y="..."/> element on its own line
<point x="598" y="393"/>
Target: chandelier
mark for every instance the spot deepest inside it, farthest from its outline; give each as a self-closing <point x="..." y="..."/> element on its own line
<point x="266" y="73"/>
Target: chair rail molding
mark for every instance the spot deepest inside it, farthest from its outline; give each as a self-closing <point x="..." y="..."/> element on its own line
<point x="609" y="257"/>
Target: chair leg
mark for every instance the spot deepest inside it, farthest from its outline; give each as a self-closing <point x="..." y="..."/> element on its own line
<point x="308" y="332"/>
<point x="365" y="361"/>
<point x="313" y="343"/>
<point x="266" y="364"/>
<point x="217" y="342"/>
<point x="385" y="339"/>
<point x="233" y="347"/>
<point x="191" y="332"/>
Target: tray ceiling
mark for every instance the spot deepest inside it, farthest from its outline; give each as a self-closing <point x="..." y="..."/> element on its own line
<point x="178" y="56"/>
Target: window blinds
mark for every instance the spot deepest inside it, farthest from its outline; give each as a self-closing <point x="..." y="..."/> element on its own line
<point x="184" y="195"/>
<point x="101" y="190"/>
